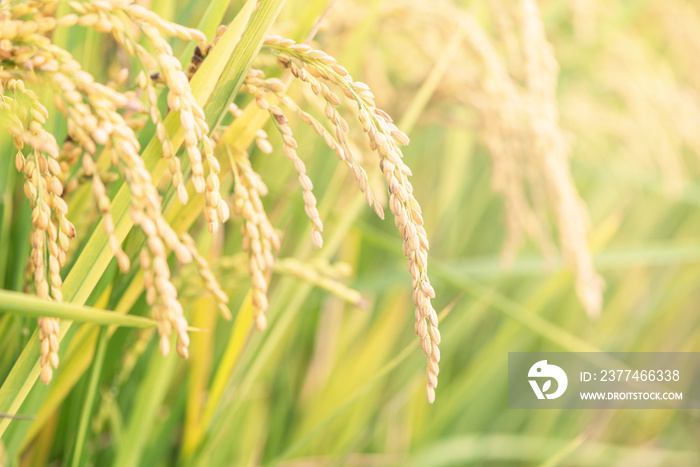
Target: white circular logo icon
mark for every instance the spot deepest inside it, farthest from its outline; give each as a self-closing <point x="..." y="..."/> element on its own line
<point x="542" y="370"/>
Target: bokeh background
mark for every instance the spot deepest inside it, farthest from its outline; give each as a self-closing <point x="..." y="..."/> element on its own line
<point x="333" y="383"/>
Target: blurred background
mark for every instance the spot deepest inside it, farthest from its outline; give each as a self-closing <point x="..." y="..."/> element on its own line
<point x="553" y="144"/>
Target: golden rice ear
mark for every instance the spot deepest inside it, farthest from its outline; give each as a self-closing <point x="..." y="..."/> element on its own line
<point x="289" y="149"/>
<point x="318" y="69"/>
<point x="259" y="238"/>
<point x="335" y="142"/>
<point x="52" y="231"/>
<point x="324" y="275"/>
<point x="551" y="156"/>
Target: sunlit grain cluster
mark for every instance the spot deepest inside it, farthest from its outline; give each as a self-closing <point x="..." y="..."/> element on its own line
<point x="97" y="132"/>
<point x="101" y="147"/>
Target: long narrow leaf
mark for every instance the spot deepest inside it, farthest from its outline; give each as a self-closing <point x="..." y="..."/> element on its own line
<point x="31" y="306"/>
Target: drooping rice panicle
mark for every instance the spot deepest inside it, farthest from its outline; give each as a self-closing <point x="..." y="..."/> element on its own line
<point x="321" y="275"/>
<point x="52" y="231"/>
<point x="253" y="82"/>
<point x="384" y="137"/>
<point x="260" y="240"/>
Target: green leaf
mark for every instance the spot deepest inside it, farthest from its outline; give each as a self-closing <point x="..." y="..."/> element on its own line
<point x="86" y="413"/>
<point x="34" y="307"/>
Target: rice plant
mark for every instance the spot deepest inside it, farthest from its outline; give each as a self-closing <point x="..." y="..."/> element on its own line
<point x="195" y="263"/>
